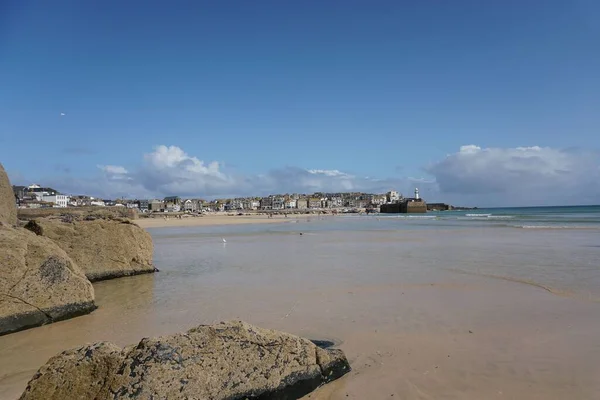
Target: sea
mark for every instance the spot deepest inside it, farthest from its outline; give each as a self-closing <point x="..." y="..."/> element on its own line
<point x="561" y="217"/>
<point x="471" y="304"/>
<point x="556" y="248"/>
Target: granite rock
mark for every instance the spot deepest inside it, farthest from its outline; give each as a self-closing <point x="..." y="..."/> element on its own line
<point x="231" y="361"/>
<point x="8" y="208"/>
<point x="79" y="373"/>
<point x="39" y="283"/>
<point x="103" y="248"/>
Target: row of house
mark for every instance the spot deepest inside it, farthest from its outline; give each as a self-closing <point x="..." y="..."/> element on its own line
<point x="268" y="203"/>
<point x="37" y="196"/>
<point x="322" y="202"/>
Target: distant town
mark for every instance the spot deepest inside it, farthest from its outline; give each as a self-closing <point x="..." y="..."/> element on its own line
<point x="36" y="196"/>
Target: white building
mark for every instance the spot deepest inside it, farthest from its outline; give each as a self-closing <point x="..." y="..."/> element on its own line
<point x="236" y="204"/>
<point x="290" y="203"/>
<point x="190" y="205"/>
<point x="393" y="196"/>
<point x="40" y="195"/>
<point x="250" y="204"/>
<point x="335" y="202"/>
<point x="278" y="203"/>
<point x="378" y="200"/>
<point x="59" y="200"/>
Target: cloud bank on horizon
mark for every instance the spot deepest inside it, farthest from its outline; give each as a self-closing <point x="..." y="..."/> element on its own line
<point x="522" y="175"/>
<point x="471" y="176"/>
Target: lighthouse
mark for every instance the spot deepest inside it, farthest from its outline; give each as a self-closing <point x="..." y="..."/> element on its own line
<point x="417" y="193"/>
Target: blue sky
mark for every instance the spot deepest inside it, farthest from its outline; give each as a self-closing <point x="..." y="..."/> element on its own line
<point x="266" y="96"/>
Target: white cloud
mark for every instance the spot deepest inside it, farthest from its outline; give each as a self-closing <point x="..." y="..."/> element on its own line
<point x="519" y="176"/>
<point x="472" y="176"/>
<point x="329" y="172"/>
<point x="169" y="170"/>
<point x="174" y="158"/>
<point x="113" y="169"/>
<point x="471" y="148"/>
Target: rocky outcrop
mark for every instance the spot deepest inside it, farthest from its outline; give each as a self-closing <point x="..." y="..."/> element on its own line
<point x="8" y="209"/>
<point x="227" y="361"/>
<point x="39" y="283"/>
<point x="104" y="248"/>
<point x="96" y="212"/>
<point x="91" y="365"/>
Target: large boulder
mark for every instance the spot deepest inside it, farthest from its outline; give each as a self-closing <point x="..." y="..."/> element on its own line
<point x="8" y="208"/>
<point x="104" y="248"/>
<point x="39" y="283"/>
<point x="230" y="361"/>
<point x="83" y="373"/>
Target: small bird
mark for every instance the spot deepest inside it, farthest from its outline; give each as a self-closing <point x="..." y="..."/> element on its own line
<point x="62" y="114"/>
<point x="224" y="241"/>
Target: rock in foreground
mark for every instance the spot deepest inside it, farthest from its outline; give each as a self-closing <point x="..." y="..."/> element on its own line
<point x="39" y="283"/>
<point x="230" y="361"/>
<point x="8" y="208"/>
<point x="79" y="373"/>
<point x="103" y="248"/>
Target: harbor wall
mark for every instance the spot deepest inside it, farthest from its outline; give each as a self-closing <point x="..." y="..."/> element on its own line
<point x="409" y="206"/>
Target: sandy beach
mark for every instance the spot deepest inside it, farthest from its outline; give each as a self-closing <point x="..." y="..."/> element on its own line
<point x="420" y="313"/>
<point x="217" y="219"/>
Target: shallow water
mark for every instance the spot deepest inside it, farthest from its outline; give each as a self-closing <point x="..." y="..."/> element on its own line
<point x="424" y="308"/>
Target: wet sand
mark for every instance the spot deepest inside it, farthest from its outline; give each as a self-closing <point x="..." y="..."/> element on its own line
<point x="211" y="220"/>
<point x="411" y="326"/>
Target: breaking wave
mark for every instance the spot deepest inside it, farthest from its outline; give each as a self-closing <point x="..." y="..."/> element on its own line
<point x="553" y="227"/>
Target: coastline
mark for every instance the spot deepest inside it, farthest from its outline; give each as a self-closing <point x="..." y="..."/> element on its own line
<point x="213" y="220"/>
<point x="420" y="310"/>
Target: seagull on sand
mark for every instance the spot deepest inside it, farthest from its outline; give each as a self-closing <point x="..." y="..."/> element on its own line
<point x="224" y="241"/>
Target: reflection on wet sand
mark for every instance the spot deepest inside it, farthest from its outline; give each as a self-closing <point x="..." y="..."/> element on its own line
<point x="410" y="327"/>
<point x="437" y="342"/>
